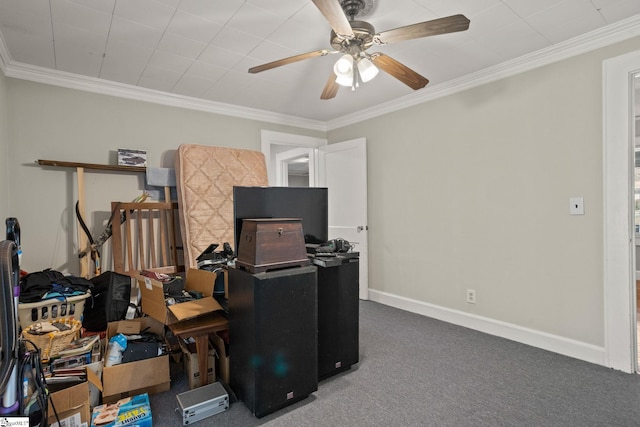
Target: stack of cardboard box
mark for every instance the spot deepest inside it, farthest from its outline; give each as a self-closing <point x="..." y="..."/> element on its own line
<point x="151" y="375"/>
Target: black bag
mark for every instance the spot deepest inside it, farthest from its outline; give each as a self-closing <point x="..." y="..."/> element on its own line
<point x="111" y="297"/>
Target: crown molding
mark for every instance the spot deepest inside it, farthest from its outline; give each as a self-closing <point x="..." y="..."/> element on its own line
<point x="37" y="74"/>
<point x="596" y="39"/>
<point x="602" y="37"/>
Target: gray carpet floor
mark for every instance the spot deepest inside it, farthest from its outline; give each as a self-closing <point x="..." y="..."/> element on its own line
<point x="417" y="371"/>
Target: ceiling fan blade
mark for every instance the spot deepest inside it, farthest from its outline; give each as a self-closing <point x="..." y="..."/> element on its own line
<point x="289" y="60"/>
<point x="401" y="72"/>
<point x="331" y="88"/>
<point x="333" y="12"/>
<point x="449" y="24"/>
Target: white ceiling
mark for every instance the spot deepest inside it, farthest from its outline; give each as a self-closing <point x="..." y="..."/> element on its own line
<point x="200" y="50"/>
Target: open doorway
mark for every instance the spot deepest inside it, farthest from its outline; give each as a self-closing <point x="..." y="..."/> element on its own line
<point x="341" y="167"/>
<point x="275" y="143"/>
<point x="295" y="167"/>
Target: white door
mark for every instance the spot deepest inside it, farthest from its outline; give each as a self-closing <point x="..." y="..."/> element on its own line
<point x="619" y="277"/>
<point x="342" y="168"/>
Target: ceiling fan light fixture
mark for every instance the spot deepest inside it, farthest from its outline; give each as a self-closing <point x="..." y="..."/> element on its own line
<point x="352" y="38"/>
<point x="367" y="70"/>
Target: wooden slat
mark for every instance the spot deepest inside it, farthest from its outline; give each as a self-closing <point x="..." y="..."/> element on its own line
<point x="163" y="237"/>
<point x="128" y="240"/>
<point x="173" y="244"/>
<point x="140" y="234"/>
<point x="153" y="262"/>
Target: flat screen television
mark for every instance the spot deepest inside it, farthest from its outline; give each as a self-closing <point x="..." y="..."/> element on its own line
<point x="311" y="204"/>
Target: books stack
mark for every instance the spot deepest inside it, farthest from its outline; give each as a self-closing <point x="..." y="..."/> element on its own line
<point x="80" y="352"/>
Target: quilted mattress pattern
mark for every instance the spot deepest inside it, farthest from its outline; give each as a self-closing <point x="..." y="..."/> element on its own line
<point x="205" y="178"/>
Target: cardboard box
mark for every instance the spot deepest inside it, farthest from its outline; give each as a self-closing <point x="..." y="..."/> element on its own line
<point x="74" y="400"/>
<point x="133" y="378"/>
<point x="154" y="305"/>
<point x="95" y="390"/>
<point x="192" y="369"/>
<point x="131" y="411"/>
<point x="223" y="357"/>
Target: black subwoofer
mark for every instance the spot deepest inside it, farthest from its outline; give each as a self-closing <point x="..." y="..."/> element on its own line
<point x="273" y="339"/>
<point x="338" y="322"/>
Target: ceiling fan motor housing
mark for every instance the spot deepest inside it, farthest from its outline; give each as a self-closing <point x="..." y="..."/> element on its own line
<point x="363" y="38"/>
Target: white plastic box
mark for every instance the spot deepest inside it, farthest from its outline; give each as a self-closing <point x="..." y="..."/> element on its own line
<point x="51" y="310"/>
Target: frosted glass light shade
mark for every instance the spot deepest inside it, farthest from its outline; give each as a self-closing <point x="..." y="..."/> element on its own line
<point x="344" y="80"/>
<point x="367" y="70"/>
<point x="343" y="68"/>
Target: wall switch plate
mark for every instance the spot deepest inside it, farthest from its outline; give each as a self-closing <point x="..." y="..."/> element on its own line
<point x="576" y="206"/>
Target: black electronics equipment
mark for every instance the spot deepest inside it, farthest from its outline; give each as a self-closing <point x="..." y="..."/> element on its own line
<point x="338" y="323"/>
<point x="334" y="245"/>
<point x="213" y="261"/>
<point x="311" y="204"/>
<point x="140" y="350"/>
<point x="210" y="256"/>
<point x="273" y="319"/>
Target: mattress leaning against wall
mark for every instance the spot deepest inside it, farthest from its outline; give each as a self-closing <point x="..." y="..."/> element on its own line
<point x="205" y="178"/>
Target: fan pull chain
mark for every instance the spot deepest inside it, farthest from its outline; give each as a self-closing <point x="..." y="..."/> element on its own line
<point x="355" y="83"/>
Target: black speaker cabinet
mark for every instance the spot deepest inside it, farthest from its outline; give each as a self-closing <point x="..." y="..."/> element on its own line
<point x="338" y="322"/>
<point x="273" y="337"/>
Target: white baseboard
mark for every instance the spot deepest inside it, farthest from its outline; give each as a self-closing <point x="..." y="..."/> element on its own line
<point x="557" y="344"/>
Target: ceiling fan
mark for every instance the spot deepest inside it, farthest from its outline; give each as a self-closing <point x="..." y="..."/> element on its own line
<point x="353" y="38"/>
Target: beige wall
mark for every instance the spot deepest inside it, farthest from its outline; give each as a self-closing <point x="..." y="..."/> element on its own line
<point x="5" y="208"/>
<point x="472" y="191"/>
<point x="55" y="123"/>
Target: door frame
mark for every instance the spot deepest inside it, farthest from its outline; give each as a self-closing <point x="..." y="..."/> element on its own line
<point x="284" y="158"/>
<point x="619" y="237"/>
<point x="271" y="138"/>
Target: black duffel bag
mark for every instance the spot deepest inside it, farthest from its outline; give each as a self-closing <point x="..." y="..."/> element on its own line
<point x="111" y="296"/>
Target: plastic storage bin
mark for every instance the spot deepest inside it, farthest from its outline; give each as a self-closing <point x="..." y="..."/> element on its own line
<point x="51" y="310"/>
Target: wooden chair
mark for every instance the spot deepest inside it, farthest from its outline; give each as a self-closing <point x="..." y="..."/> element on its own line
<point x="144" y="237"/>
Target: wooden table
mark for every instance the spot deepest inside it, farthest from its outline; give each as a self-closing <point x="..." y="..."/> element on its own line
<point x="199" y="328"/>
